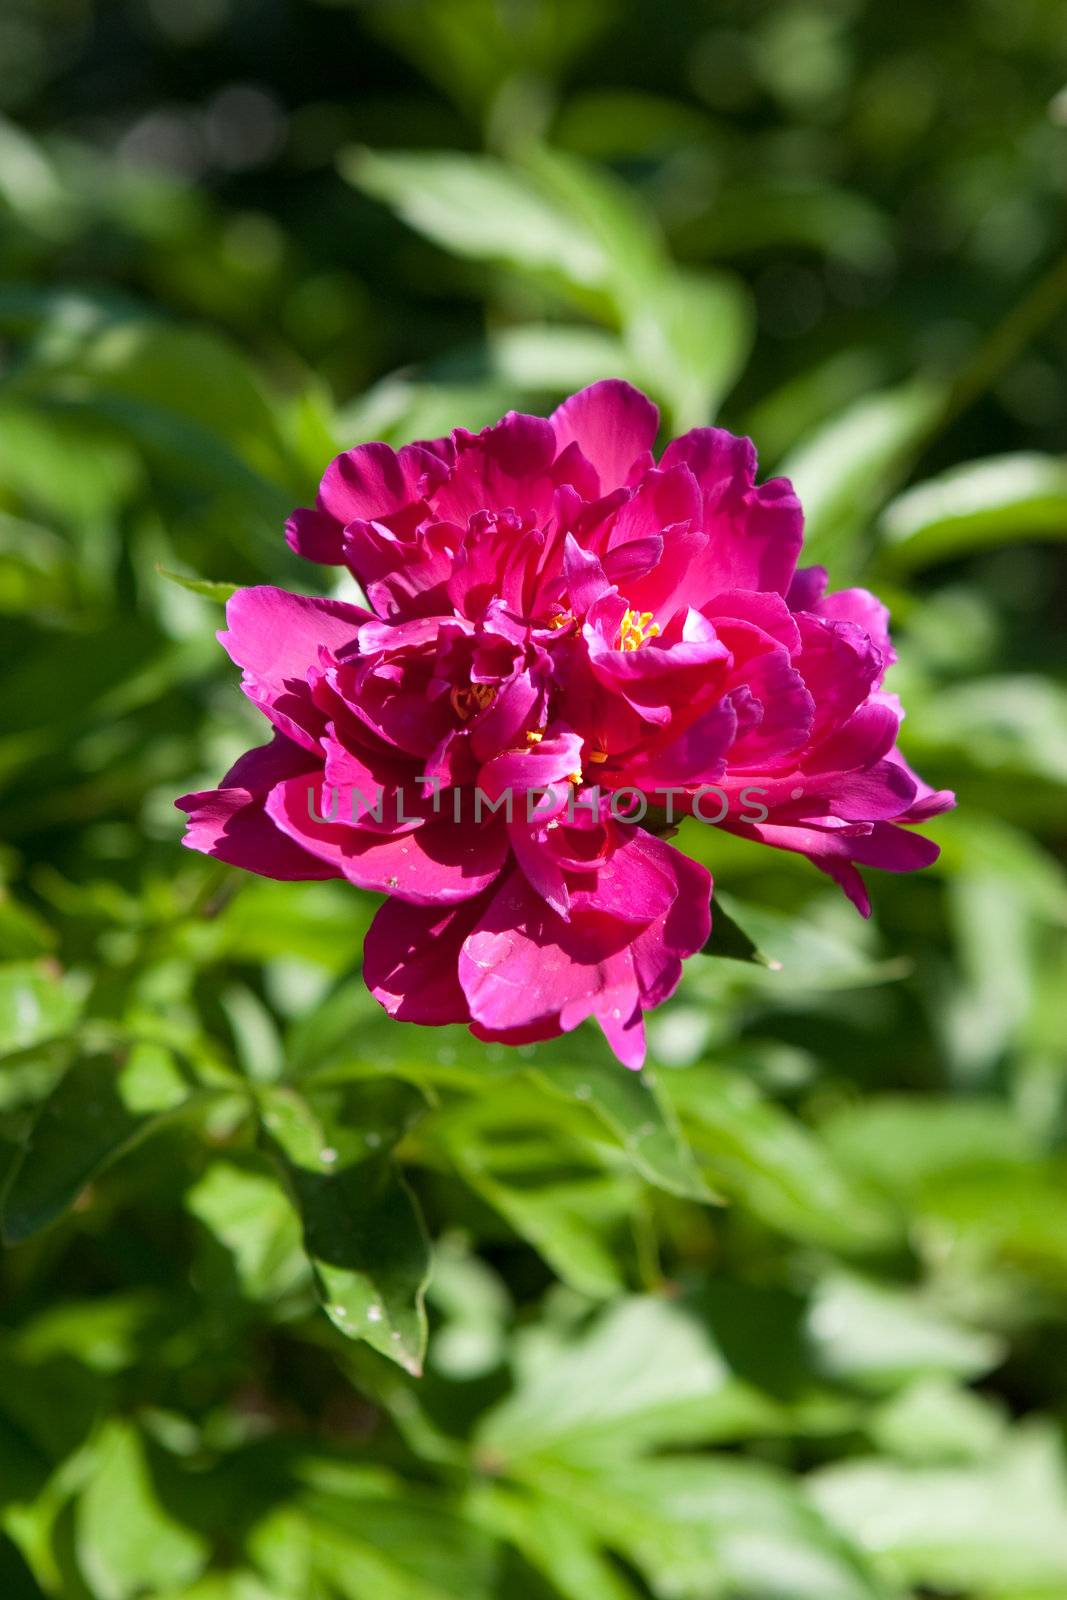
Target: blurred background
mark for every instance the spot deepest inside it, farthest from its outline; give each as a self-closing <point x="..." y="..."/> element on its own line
<point x="786" y="1319"/>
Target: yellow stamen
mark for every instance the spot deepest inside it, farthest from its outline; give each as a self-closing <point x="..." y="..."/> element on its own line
<point x="466" y="702"/>
<point x="636" y="629"/>
<point x="597" y="756"/>
<point x="575" y="778"/>
<point x="534" y="736"/>
<point x="561" y="619"/>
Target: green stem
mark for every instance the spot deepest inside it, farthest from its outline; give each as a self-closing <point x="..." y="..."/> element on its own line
<point x="996" y="353"/>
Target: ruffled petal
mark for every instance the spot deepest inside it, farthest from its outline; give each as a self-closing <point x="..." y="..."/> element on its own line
<point x="436" y="863"/>
<point x="754" y="531"/>
<point x="410" y="960"/>
<point x="612" y="423"/>
<point x="231" y="824"/>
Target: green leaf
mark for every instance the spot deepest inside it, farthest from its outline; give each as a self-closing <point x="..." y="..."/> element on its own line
<point x="1014" y="1218"/>
<point x="646" y="1371"/>
<point x="35" y="1004"/>
<point x="68" y="468"/>
<point x="633" y="1107"/>
<point x="126" y="1542"/>
<point x="553" y="1541"/>
<point x="972" y="1175"/>
<point x="16" y="1580"/>
<point x="985" y="503"/>
<point x="205" y="586"/>
<point x="821" y="949"/>
<point x="979" y="1529"/>
<point x="996" y="949"/>
<point x="729" y="940"/>
<point x="557" y="358"/>
<point x="101" y="1334"/>
<point x="542" y="1163"/>
<point x="690" y="336"/>
<point x="695" y="1526"/>
<point x="594" y="202"/>
<point x="322" y="923"/>
<point x="774" y="1166"/>
<point x="23" y="934"/>
<point x="844" y="470"/>
<point x="236" y="1584"/>
<point x="476" y="206"/>
<point x="906" y="1143"/>
<point x="978" y="845"/>
<point x="253" y="1219"/>
<point x="399" y="1547"/>
<point x="1009" y="725"/>
<point x="475" y="1310"/>
<point x="185" y="375"/>
<point x="100" y="1108"/>
<point x="935" y="1421"/>
<point x="870" y="1334"/>
<point x="363" y="1231"/>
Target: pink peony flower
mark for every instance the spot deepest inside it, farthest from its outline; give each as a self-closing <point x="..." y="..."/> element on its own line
<point x="561" y="631"/>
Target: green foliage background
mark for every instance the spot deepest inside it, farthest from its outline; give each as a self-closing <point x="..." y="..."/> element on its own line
<point x="783" y="1319"/>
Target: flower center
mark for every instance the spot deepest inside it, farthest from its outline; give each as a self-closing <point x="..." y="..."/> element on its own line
<point x="467" y="702"/>
<point x="636" y="629"/>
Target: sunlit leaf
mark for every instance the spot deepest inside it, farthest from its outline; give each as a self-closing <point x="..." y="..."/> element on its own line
<point x="35" y="1003"/>
<point x="647" y="1371"/>
<point x="100" y="1109"/>
<point x="690" y="336"/>
<point x="773" y="1166"/>
<point x="696" y="1526"/>
<point x="363" y="1231"/>
<point x="553" y="1541"/>
<point x="253" y="1219"/>
<point x="634" y="1108"/>
<point x="881" y="1337"/>
<point x="556" y="358"/>
<point x="204" y="586"/>
<point x="127" y="1542"/>
<point x="730" y="941"/>
<point x="479" y="207"/>
<point x="544" y="1165"/>
<point x="996" y="501"/>
<point x="981" y="1529"/>
<point x="844" y="471"/>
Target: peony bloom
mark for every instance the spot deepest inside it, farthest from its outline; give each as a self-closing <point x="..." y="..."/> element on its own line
<point x="561" y="632"/>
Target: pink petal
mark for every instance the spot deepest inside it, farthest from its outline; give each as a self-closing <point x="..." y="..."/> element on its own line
<point x="538" y="766"/>
<point x="410" y="960"/>
<point x="402" y="577"/>
<point x="586" y="578"/>
<point x="507" y="466"/>
<point x="840" y="666"/>
<point x="860" y="607"/>
<point x="660" y="950"/>
<point x="522" y="965"/>
<point x="635" y="883"/>
<point x="768" y="612"/>
<point x="755" y="533"/>
<point x="696" y="755"/>
<point x="787" y="714"/>
<point x="230" y="822"/>
<point x="807" y="588"/>
<point x="612" y="423"/>
<point x="887" y="846"/>
<point x="439" y="863"/>
<point x="662" y="499"/>
<point x="276" y="636"/>
<point x="368" y="484"/>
